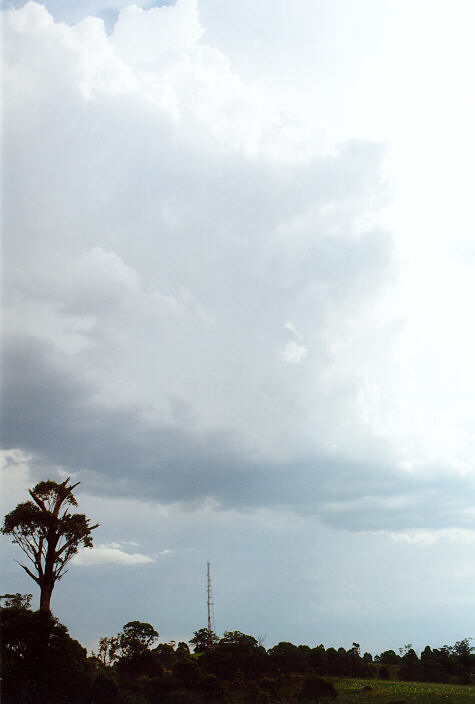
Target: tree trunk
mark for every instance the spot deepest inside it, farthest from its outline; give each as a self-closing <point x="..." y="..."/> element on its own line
<point x="45" y="596"/>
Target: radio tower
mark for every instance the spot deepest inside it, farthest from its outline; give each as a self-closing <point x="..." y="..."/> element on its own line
<point x="210" y="611"/>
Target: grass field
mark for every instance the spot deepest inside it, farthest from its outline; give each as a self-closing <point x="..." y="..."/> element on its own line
<point x="352" y="691"/>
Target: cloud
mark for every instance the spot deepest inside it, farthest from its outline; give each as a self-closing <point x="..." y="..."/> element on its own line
<point x="174" y="195"/>
<point x="109" y="554"/>
<point x="144" y="38"/>
<point x="165" y="217"/>
<point x="428" y="537"/>
<point x="290" y="326"/>
<point x="72" y="12"/>
<point x="293" y="352"/>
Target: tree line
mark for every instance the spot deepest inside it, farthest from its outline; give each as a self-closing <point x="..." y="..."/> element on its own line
<point x="42" y="664"/>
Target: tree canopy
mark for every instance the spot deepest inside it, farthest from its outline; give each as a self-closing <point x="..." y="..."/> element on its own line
<point x="136" y="638"/>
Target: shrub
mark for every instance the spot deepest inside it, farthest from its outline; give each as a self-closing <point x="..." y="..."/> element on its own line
<point x="314" y="688"/>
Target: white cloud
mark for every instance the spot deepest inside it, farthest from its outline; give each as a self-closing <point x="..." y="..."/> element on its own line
<point x="145" y="39"/>
<point x="112" y="554"/>
<point x="293" y="352"/>
<point x="290" y="326"/>
<point x="430" y="537"/>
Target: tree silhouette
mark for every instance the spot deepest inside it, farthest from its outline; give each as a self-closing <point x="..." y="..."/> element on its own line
<point x="48" y="533"/>
<point x="136" y="638"/>
<point x="41" y="663"/>
<point x="201" y="640"/>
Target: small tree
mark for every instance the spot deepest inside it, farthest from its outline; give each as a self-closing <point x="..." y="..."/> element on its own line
<point x="108" y="648"/>
<point x="48" y="533"/>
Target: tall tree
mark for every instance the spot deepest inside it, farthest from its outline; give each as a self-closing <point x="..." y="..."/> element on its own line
<point x="49" y="533"/>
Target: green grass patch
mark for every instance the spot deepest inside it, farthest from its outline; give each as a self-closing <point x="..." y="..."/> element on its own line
<point x="387" y="692"/>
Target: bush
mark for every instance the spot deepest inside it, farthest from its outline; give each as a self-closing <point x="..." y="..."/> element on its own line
<point x="314" y="689"/>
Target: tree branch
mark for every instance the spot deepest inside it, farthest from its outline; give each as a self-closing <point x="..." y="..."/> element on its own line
<point x="74" y="540"/>
<point x="29" y="572"/>
<point x="37" y="501"/>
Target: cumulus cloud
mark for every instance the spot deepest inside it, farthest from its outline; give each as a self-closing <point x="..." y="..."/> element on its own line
<point x="164" y="218"/>
<point x="109" y="554"/>
<point x="73" y="12"/>
<point x="144" y="39"/>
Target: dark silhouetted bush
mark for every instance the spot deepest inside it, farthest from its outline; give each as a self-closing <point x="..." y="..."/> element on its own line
<point x="314" y="689"/>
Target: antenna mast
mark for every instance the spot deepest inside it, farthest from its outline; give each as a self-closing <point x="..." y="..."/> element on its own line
<point x="210" y="611"/>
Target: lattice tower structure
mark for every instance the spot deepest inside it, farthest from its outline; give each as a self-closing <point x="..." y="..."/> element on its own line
<point x="210" y="604"/>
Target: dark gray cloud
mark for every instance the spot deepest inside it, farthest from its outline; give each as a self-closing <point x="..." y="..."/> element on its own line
<point x="51" y="412"/>
<point x="160" y="261"/>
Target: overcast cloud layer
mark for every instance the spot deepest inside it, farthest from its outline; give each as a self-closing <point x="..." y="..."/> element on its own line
<point x="204" y="302"/>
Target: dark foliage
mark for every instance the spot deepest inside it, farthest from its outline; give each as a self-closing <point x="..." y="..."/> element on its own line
<point x="136" y="638"/>
<point x="201" y="640"/>
<point x="286" y="658"/>
<point x="41" y="663"/>
<point x="389" y="657"/>
<point x="410" y="669"/>
<point x="315" y="689"/>
<point x="104" y="689"/>
<point x="16" y="601"/>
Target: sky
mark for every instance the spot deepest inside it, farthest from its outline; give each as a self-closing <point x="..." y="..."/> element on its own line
<point x="238" y="297"/>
